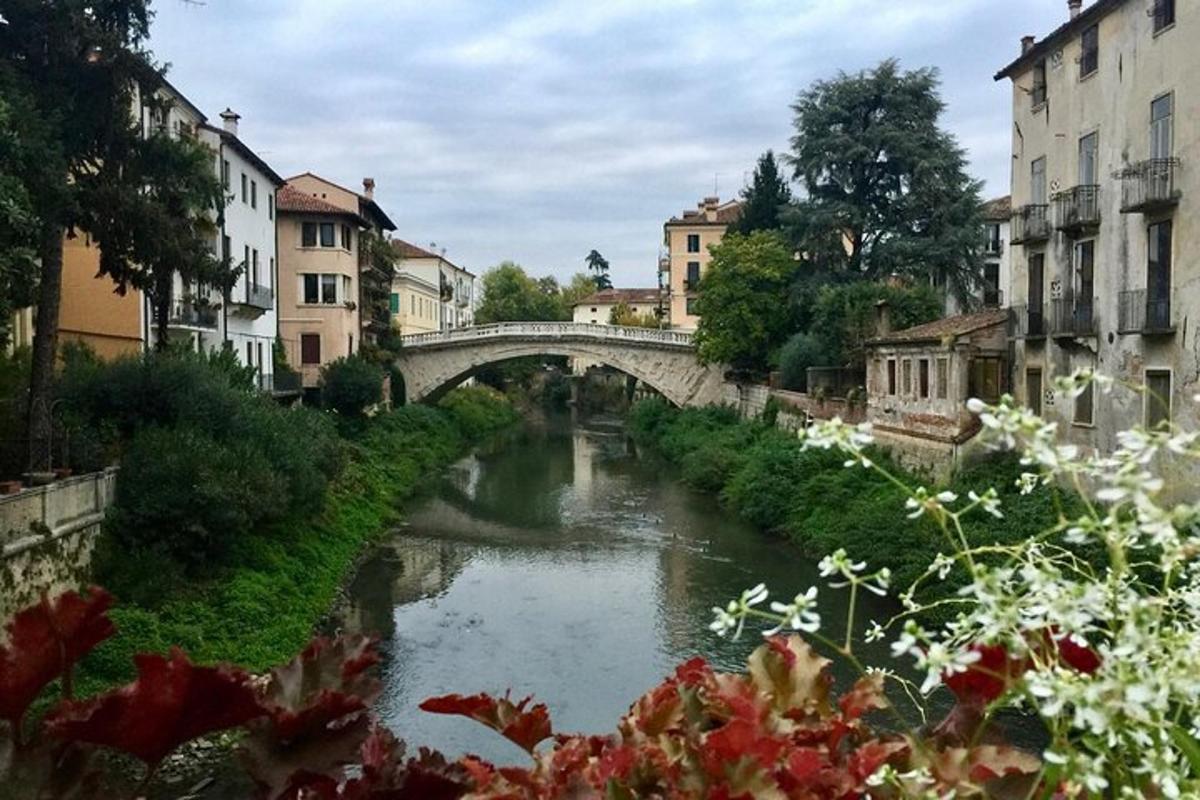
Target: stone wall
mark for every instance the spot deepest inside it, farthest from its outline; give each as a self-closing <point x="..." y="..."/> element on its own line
<point x="47" y="535"/>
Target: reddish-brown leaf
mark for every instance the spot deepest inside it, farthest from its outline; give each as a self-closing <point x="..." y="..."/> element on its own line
<point x="172" y="701"/>
<point x="44" y="641"/>
<point x="986" y="679"/>
<point x="524" y="728"/>
<point x="1080" y="657"/>
<point x="866" y="696"/>
<point x="795" y="678"/>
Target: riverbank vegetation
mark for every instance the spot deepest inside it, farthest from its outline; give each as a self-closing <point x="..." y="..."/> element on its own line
<point x="236" y="519"/>
<point x="768" y="478"/>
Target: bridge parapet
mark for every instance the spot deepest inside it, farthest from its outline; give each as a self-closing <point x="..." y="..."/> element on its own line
<point x="550" y="330"/>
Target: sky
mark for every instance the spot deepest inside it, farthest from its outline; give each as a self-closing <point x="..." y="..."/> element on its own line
<point x="538" y="130"/>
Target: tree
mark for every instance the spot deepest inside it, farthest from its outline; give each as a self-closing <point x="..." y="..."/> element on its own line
<point x="511" y="295"/>
<point x="843" y="317"/>
<point x="581" y="285"/>
<point x="18" y="225"/>
<point x="742" y="318"/>
<point x="886" y="189"/>
<point x="764" y="199"/>
<point x="351" y="385"/>
<point x="598" y="266"/>
<point x="625" y="316"/>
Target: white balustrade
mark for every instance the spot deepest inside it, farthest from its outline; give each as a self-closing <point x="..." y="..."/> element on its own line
<point x="548" y="330"/>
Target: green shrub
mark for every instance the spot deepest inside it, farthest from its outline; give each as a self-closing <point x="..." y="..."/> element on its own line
<point x="763" y="490"/>
<point x="350" y="386"/>
<point x="802" y="351"/>
<point x="478" y="410"/>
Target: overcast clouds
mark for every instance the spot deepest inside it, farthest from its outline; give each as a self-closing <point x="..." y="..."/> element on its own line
<point x="536" y="130"/>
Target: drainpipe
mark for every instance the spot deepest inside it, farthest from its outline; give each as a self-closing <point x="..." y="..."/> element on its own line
<point x="221" y="241"/>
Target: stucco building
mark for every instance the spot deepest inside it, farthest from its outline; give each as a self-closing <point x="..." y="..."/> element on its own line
<point x="996" y="276"/>
<point x="455" y="285"/>
<point x="687" y="239"/>
<point x="1106" y="213"/>
<point x="596" y="309"/>
<point x="416" y="304"/>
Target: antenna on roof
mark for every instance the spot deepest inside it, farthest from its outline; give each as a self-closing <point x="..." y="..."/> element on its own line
<point x="717" y="184"/>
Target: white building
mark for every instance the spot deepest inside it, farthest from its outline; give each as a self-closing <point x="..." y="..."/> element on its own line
<point x="456" y="285"/>
<point x="997" y="265"/>
<point x="596" y="309"/>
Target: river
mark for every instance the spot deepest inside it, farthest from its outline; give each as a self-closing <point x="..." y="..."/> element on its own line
<point x="562" y="563"/>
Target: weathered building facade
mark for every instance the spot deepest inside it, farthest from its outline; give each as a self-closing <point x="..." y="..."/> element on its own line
<point x="1106" y="214"/>
<point x="687" y="239"/>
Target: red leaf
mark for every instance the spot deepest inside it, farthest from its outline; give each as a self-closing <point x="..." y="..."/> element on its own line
<point x="693" y="673"/>
<point x="524" y="728"/>
<point x="866" y="696"/>
<point x="44" y="641"/>
<point x="986" y="679"/>
<point x="1081" y="657"/>
<point x="171" y="702"/>
<point x="736" y="740"/>
<point x="804" y="764"/>
<point x="866" y="760"/>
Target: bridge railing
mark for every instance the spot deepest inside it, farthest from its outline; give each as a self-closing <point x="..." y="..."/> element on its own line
<point x="549" y="330"/>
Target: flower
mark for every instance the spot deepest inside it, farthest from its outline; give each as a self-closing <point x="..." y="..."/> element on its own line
<point x="799" y="615"/>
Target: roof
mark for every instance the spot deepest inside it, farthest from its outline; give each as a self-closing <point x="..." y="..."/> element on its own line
<point x="941" y="329"/>
<point x="998" y="209"/>
<point x="405" y="249"/>
<point x="1059" y="35"/>
<point x="612" y="297"/>
<point x="727" y="213"/>
<point x="364" y="202"/>
<point x="289" y="200"/>
<point x="170" y="87"/>
<point x="245" y="152"/>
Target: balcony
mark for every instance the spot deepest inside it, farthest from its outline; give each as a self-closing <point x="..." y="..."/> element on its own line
<point x="1077" y="210"/>
<point x="1031" y="224"/>
<point x="193" y="314"/>
<point x="1073" y="318"/>
<point x="256" y="297"/>
<point x="1149" y="187"/>
<point x="1027" y="323"/>
<point x="1138" y="312"/>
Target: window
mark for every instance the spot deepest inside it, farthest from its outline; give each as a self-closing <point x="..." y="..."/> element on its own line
<point x="906" y="372"/>
<point x="346" y="241"/>
<point x="270" y="206"/>
<point x="1036" y="296"/>
<point x="329" y="289"/>
<point x="310" y="348"/>
<point x="1033" y="390"/>
<point x="412" y="304"/>
<point x="1089" y="59"/>
<point x="1164" y="14"/>
<point x="308" y="237"/>
<point x="245" y="188"/>
<point x="246" y="259"/>
<point x="1037" y="181"/>
<point x="225" y="174"/>
<point x="923" y="377"/>
<point x="254" y="268"/>
<point x="693" y="276"/>
<point x="1039" y="83"/>
<point x="943" y="378"/>
<point x="260" y="361"/>
<point x="1085" y="406"/>
<point x="1089" y="153"/>
<point x="226" y="248"/>
<point x="891" y="377"/>
<point x="1085" y="279"/>
<point x="994" y="242"/>
<point x="250" y="354"/>
<point x="691" y="306"/>
<point x="254" y="194"/>
<point x="395" y="303"/>
<point x="1158" y="276"/>
<point x="1158" y="397"/>
<point x="1162" y="114"/>
<point x="991" y="284"/>
<point x="312" y="289"/>
<point x="984" y="378"/>
<point x="693" y="243"/>
<point x="327" y="239"/>
<point x="346" y="294"/>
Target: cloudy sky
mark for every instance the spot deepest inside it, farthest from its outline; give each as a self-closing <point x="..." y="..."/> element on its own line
<point x="536" y="130"/>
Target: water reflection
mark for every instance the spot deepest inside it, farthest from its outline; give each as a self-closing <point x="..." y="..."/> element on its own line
<point x="565" y="565"/>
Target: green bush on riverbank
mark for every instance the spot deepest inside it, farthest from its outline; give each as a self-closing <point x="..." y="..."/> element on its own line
<point x="811" y="498"/>
<point x="260" y="606"/>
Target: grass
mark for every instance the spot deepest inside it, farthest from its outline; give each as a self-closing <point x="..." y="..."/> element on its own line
<point x="262" y="608"/>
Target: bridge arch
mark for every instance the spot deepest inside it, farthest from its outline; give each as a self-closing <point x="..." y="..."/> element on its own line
<point x="664" y="360"/>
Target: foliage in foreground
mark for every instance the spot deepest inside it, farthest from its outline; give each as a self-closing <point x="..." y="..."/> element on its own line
<point x="350" y="386"/>
<point x="307" y="731"/>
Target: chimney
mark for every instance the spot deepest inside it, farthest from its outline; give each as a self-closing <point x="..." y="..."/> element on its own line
<point x="883" y="318"/>
<point x="1027" y="44"/>
<point x="369" y="188"/>
<point x="1074" y="7"/>
<point x="230" y="120"/>
<point x="710" y="208"/>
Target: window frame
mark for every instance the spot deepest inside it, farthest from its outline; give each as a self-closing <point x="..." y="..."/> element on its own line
<point x="1040" y="82"/>
<point x="329" y="281"/>
<point x="1086" y="400"/>
<point x="923" y="378"/>
<point x="314" y="285"/>
<point x="245" y="188"/>
<point x="1163" y="20"/>
<point x="305" y="229"/>
<point x="1151" y="401"/>
<point x="906" y="377"/>
<point x="1089" y="51"/>
<point x="1033" y="400"/>
<point x="346" y="240"/>
<point x="253" y="193"/>
<point x="331" y="229"/>
<point x="892" y="383"/>
<point x="943" y="378"/>
<point x="693" y="238"/>
<point x="313" y="339"/>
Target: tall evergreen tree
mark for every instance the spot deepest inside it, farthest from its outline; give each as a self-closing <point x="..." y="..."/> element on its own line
<point x="598" y="266"/>
<point x="886" y="189"/>
<point x="764" y="199"/>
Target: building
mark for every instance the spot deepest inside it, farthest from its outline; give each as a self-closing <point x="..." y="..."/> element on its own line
<point x="997" y="270"/>
<point x="1106" y="209"/>
<point x="456" y="285"/>
<point x="687" y="239"/>
<point x="596" y="309"/>
<point x="247" y="322"/>
<point x="416" y="304"/>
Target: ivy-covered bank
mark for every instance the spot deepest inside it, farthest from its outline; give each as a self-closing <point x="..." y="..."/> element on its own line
<point x="260" y="608"/>
<point x="813" y="499"/>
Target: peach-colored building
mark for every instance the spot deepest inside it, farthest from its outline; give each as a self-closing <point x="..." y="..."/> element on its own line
<point x="91" y="312"/>
<point x="688" y="239"/>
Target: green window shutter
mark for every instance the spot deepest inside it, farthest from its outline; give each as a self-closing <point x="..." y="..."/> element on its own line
<point x="395" y="303"/>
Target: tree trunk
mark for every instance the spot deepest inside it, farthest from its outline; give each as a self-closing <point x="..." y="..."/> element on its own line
<point x="45" y="348"/>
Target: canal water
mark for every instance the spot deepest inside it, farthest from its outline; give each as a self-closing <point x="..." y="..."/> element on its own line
<point x="565" y="564"/>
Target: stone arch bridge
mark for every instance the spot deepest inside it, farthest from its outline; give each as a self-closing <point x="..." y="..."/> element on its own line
<point x="433" y="363"/>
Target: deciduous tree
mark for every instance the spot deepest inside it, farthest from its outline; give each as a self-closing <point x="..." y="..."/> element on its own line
<point x="885" y="187"/>
<point x="511" y="295"/>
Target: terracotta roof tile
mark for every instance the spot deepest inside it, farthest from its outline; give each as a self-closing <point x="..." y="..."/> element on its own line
<point x="998" y="209"/>
<point x="615" y="296"/>
<point x="294" y="201"/>
<point x="727" y="213"/>
<point x="947" y="327"/>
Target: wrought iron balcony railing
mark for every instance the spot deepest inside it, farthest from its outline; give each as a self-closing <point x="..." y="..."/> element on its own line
<point x="258" y="296"/>
<point x="188" y="312"/>
<point x="1073" y="317"/>
<point x="1031" y="223"/>
<point x="1026" y="322"/>
<point x="1140" y="312"/>
<point x="1149" y="186"/>
<point x="1077" y="209"/>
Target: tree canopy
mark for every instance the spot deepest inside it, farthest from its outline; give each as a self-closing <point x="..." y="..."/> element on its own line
<point x="765" y="199"/>
<point x="885" y="187"/>
<point x="598" y="266"/>
<point x="511" y="295"/>
<point x="742" y="316"/>
<point x="622" y="314"/>
<point x="844" y="316"/>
